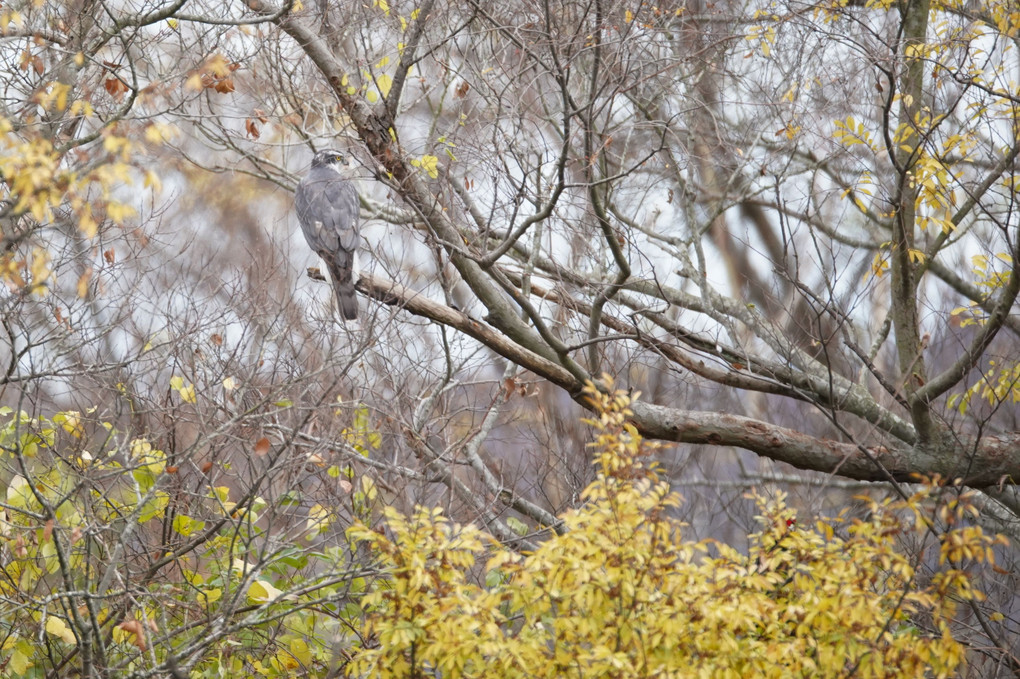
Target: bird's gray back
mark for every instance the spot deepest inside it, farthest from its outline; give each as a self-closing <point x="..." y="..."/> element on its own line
<point x="327" y="207"/>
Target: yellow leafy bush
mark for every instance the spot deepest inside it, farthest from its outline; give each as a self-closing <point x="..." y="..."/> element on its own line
<point x="620" y="593"/>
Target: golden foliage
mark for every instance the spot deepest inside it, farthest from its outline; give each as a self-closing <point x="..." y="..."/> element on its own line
<point x="43" y="181"/>
<point x="621" y="594"/>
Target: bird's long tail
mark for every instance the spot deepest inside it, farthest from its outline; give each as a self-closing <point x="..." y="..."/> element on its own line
<point x="341" y="270"/>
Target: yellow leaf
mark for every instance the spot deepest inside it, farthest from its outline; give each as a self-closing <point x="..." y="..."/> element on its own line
<point x="188" y="394"/>
<point x="428" y="163"/>
<point x="60" y="91"/>
<point x="152" y="180"/>
<point x="318" y="520"/>
<point x="140" y="447"/>
<point x="158" y="133"/>
<point x="70" y="420"/>
<point x="80" y="107"/>
<point x="83" y="283"/>
<point x="628" y="16"/>
<point x="116" y="145"/>
<point x="40" y="268"/>
<point x="40" y="210"/>
<point x="87" y="224"/>
<point x="368" y="488"/>
<point x="20" y="663"/>
<point x="185" y="390"/>
<point x="262" y="592"/>
<point x="118" y="212"/>
<point x="299" y="647"/>
<point x="57" y="628"/>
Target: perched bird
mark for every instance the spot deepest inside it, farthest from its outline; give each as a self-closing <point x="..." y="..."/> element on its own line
<point x="327" y="207"/>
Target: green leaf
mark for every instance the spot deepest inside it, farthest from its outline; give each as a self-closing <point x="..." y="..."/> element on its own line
<point x="185" y="525"/>
<point x="291" y="498"/>
<point x="154" y="507"/>
<point x="517" y="526"/>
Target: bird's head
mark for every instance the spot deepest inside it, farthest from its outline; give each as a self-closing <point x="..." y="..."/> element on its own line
<point x="329" y="158"/>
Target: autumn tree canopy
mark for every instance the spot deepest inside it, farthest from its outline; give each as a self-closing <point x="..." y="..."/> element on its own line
<point x="792" y="227"/>
<point x="622" y="594"/>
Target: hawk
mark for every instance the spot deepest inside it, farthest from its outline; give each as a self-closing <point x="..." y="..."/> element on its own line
<point x="326" y="203"/>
